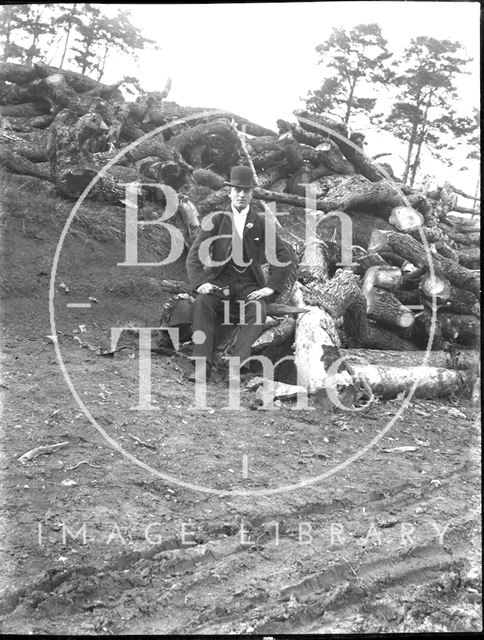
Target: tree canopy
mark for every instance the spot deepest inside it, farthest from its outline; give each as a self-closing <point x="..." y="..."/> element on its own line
<point x="81" y="35"/>
<point x="360" y="59"/>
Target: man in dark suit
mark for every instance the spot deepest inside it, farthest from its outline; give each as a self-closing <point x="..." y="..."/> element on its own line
<point x="224" y="264"/>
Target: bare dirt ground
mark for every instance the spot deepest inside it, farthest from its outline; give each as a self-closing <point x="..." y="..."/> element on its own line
<point x="391" y="542"/>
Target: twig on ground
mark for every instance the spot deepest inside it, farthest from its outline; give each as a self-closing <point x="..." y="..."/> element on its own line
<point x="38" y="451"/>
<point x="142" y="443"/>
<point x="94" y="466"/>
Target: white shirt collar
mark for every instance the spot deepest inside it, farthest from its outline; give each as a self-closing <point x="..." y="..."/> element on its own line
<point x="243" y="212"/>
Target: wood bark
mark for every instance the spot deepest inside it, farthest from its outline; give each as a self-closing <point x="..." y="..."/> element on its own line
<point x="382" y="338"/>
<point x="21" y="74"/>
<point x="24" y="110"/>
<point x="450" y="327"/>
<point x="470" y="257"/>
<point x="31" y="149"/>
<point x="161" y="112"/>
<point x="469" y="238"/>
<point x="387" y="310"/>
<point x="19" y="164"/>
<point x="26" y="124"/>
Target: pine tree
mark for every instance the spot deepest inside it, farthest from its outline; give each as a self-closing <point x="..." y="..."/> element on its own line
<point x="423" y="112"/>
<point x="359" y="57"/>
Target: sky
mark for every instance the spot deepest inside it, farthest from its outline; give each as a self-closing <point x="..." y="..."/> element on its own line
<point x="259" y="59"/>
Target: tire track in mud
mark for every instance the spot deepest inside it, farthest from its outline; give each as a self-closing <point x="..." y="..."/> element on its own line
<point x="178" y="570"/>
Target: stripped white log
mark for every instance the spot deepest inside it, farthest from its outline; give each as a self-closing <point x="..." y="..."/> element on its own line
<point x="388" y="382"/>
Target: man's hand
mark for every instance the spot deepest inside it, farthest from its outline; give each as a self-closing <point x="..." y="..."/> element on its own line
<point x="206" y="287"/>
<point x="260" y="293"/>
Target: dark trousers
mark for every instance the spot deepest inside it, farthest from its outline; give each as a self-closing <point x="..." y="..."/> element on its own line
<point x="208" y="314"/>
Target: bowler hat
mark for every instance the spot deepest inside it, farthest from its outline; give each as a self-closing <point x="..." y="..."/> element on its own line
<point x="241" y="177"/>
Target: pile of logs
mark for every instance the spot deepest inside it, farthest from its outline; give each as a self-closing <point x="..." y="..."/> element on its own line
<point x="413" y="279"/>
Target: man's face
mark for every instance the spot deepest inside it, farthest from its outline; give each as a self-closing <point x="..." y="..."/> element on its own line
<point x="240" y="197"/>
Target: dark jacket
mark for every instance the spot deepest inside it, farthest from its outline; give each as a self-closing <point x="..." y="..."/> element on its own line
<point x="254" y="250"/>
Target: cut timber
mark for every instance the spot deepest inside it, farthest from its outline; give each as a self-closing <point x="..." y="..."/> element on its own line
<point x="19" y="164"/>
<point x="22" y="74"/>
<point x="467" y="238"/>
<point x="321" y="125"/>
<point x="300" y="134"/>
<point x="32" y="149"/>
<point x="383" y="276"/>
<point x="387" y="310"/>
<point x="470" y="257"/>
<point x="359" y="193"/>
<point x="384" y="339"/>
<point x="415" y="252"/>
<point x="455" y="328"/>
<point x="315" y="335"/>
<point x="275" y="335"/>
<point x="316" y="340"/>
<point x="464" y="359"/>
<point x="405" y="218"/>
<point x="208" y="178"/>
<point x="26" y="124"/>
<point x="24" y="110"/>
<point x="460" y="328"/>
<point x="437" y="286"/>
<point x="331" y="156"/>
<point x="190" y="219"/>
<point x="158" y="112"/>
<point x="430" y="382"/>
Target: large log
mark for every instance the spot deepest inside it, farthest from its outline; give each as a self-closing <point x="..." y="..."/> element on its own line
<point x="450" y="327"/>
<point x="388" y="311"/>
<point x="24" y="110"/>
<point x="300" y="134"/>
<point x="160" y="112"/>
<point x="19" y="164"/>
<point x="316" y="340"/>
<point x="358" y="193"/>
<point x="31" y="149"/>
<point x="26" y="124"/>
<point x="339" y="134"/>
<point x="21" y="74"/>
<point x="332" y="157"/>
<point x="464" y="359"/>
<point x="467" y="237"/>
<point x="415" y="253"/>
<point x="470" y="257"/>
<point x="389" y="382"/>
<point x="384" y="339"/>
